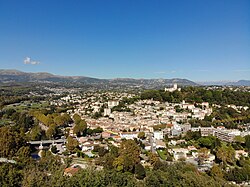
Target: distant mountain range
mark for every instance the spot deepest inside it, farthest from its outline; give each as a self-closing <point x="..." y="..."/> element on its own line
<point x="226" y="83"/>
<point x="19" y="76"/>
<point x="240" y="83"/>
<point x="8" y="75"/>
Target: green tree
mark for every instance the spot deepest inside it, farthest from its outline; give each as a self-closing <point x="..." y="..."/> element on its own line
<point x="59" y="120"/>
<point x="141" y="135"/>
<point x="205" y="142"/>
<point x="247" y="141"/>
<point x="35" y="133"/>
<point x="51" y="132"/>
<point x="80" y="128"/>
<point x="53" y="149"/>
<point x="216" y="171"/>
<point x="202" y="155"/>
<point x="239" y="139"/>
<point x="77" y="118"/>
<point x="10" y="142"/>
<point x="10" y="175"/>
<point x="67" y="118"/>
<point x="226" y="154"/>
<point x="72" y="144"/>
<point x="129" y="156"/>
<point x="140" y="172"/>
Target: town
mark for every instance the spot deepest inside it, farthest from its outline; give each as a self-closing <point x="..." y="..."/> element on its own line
<point x="165" y="127"/>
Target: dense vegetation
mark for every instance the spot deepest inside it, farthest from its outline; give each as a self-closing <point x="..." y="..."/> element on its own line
<point x="198" y="95"/>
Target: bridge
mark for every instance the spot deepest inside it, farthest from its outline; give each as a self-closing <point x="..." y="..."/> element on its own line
<point x="40" y="142"/>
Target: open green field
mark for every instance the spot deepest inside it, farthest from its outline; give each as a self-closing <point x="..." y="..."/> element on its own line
<point x="27" y="106"/>
<point x="162" y="154"/>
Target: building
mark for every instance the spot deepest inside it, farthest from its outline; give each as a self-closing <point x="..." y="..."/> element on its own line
<point x="107" y="111"/>
<point x="159" y="144"/>
<point x="227" y="135"/>
<point x="205" y="131"/>
<point x="179" y="153"/>
<point x="174" y="88"/>
<point x="70" y="171"/>
<point x="106" y="134"/>
<point x="158" y="135"/>
<point x="112" y="104"/>
<point x="185" y="127"/>
<point x="239" y="153"/>
<point x="128" y="135"/>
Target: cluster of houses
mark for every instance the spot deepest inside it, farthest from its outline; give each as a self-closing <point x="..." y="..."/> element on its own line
<point x="154" y="142"/>
<point x="144" y="116"/>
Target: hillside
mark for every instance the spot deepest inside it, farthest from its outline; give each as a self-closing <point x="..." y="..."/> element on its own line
<point x="19" y="76"/>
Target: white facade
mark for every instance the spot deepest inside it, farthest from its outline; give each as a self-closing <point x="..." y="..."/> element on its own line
<point x="175" y="87"/>
<point x="107" y="111"/>
<point x="158" y="135"/>
<point x="112" y="104"/>
<point x="128" y="135"/>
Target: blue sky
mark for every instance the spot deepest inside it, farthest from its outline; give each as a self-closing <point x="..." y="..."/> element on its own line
<point x="195" y="39"/>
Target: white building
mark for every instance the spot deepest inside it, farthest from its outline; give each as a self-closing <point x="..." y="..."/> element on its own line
<point x="107" y="111"/>
<point x="112" y="104"/>
<point x="128" y="135"/>
<point x="159" y="144"/>
<point x="227" y="135"/>
<point x="179" y="153"/>
<point x="158" y="135"/>
<point x="239" y="153"/>
<point x="174" y="88"/>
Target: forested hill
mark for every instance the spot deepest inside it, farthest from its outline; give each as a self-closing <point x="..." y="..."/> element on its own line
<point x="19" y="76"/>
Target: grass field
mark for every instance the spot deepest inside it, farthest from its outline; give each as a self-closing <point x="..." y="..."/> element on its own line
<point x="162" y="154"/>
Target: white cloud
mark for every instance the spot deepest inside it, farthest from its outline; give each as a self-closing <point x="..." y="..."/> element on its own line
<point x="28" y="60"/>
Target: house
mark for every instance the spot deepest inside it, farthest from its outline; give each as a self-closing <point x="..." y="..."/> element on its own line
<point x="187" y="106"/>
<point x="82" y="140"/>
<point x="178" y="142"/>
<point x="87" y="146"/>
<point x="117" y="138"/>
<point x="175" y="132"/>
<point x="160" y="144"/>
<point x="172" y="142"/>
<point x="106" y="134"/>
<point x="210" y="158"/>
<point x="179" y="153"/>
<point x="186" y="127"/>
<point x="70" y="171"/>
<point x="107" y="111"/>
<point x="192" y="148"/>
<point x="239" y="153"/>
<point x="112" y="104"/>
<point x="147" y="147"/>
<point x="205" y="104"/>
<point x="158" y="135"/>
<point x="128" y="135"/>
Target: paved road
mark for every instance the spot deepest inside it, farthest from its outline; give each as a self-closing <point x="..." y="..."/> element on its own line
<point x="151" y="141"/>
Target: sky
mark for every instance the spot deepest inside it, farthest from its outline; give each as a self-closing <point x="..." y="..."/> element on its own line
<point x="201" y="40"/>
